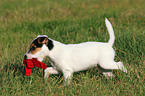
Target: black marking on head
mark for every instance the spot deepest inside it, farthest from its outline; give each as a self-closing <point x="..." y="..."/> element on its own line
<point x="35" y="46"/>
<point x="36" y="43"/>
<point x="50" y="44"/>
<point x="42" y="40"/>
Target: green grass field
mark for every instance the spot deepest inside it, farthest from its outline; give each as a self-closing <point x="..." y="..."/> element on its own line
<point x="72" y="21"/>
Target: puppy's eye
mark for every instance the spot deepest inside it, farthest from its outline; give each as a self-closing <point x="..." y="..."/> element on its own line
<point x="33" y="48"/>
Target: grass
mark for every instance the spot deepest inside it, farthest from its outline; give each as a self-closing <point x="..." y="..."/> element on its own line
<point x="72" y="21"/>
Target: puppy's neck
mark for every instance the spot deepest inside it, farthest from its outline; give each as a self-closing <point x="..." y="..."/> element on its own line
<point x="56" y="46"/>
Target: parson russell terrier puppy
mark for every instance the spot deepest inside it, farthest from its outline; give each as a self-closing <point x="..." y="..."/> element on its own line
<point x="70" y="58"/>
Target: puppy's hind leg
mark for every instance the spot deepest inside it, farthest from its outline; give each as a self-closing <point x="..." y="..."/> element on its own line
<point x="113" y="65"/>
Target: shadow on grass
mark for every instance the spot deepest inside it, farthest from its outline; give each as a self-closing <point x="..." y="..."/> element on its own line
<point x="92" y="74"/>
<point x="15" y="69"/>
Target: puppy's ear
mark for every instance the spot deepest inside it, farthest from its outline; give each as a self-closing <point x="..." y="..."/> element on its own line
<point x="50" y="44"/>
<point x="43" y="40"/>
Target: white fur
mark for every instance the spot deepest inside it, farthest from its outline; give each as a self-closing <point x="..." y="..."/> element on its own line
<point x="70" y="58"/>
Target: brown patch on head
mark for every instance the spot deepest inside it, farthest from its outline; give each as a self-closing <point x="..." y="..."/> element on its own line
<point x="34" y="48"/>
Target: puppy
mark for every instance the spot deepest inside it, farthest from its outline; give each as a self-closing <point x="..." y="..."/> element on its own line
<point x="70" y="58"/>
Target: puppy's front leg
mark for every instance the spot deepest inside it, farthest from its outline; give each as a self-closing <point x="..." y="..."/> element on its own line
<point x="50" y="70"/>
<point x="67" y="76"/>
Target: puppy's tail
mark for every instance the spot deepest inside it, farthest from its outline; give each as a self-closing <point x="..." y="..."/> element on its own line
<point x="111" y="32"/>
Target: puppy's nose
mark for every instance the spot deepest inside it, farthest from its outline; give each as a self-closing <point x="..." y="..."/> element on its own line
<point x="25" y="56"/>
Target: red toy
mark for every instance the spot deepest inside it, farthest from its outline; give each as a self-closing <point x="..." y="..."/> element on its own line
<point x="30" y="63"/>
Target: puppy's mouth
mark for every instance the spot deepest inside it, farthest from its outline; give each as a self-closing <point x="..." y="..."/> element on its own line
<point x="29" y="56"/>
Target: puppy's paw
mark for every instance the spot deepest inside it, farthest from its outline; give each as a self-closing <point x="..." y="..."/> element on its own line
<point x="46" y="73"/>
